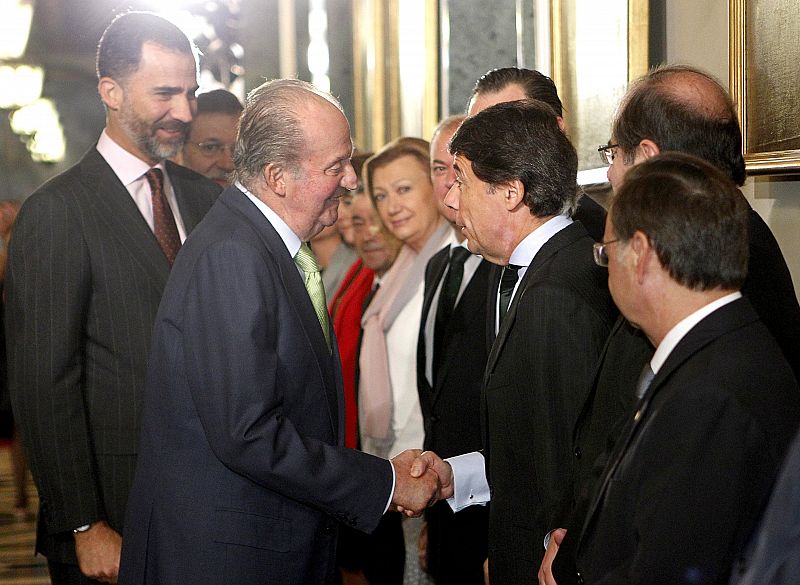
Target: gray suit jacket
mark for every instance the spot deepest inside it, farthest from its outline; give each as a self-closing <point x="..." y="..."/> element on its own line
<point x="85" y="276"/>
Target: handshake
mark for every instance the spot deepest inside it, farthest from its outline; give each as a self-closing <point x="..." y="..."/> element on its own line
<point x="422" y="478"/>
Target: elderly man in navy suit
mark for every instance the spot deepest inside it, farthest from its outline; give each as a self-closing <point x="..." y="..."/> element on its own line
<point x="243" y="476"/>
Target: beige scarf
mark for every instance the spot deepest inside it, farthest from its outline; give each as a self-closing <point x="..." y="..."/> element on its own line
<point x="398" y="286"/>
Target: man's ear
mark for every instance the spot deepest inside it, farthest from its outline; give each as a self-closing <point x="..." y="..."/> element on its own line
<point x="649" y="148"/>
<point x="275" y="177"/>
<point x="111" y="93"/>
<point x="513" y="193"/>
<point x="642" y="254"/>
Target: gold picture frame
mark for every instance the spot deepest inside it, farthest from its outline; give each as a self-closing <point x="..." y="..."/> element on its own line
<point x="387" y="104"/>
<point x="764" y="60"/>
<point x="585" y="31"/>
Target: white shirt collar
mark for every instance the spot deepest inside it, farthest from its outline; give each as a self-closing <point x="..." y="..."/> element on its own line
<point x="679" y="331"/>
<point x="128" y="167"/>
<point x="527" y="249"/>
<point x="290" y="239"/>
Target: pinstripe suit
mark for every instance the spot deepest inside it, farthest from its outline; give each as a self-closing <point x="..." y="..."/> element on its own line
<point x="85" y="277"/>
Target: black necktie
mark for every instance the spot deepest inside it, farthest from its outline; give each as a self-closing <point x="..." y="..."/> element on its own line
<point x="507" y="283"/>
<point x="447" y="300"/>
<point x="369" y="297"/>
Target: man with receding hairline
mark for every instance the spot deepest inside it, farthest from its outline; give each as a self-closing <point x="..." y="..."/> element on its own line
<point x="451" y="357"/>
<point x="674" y="108"/>
<point x="243" y="476"/>
<point x="716" y="405"/>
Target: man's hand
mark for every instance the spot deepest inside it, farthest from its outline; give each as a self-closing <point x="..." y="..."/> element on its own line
<point x="428" y="460"/>
<point x="546" y="570"/>
<point x="412" y="494"/>
<point x="98" y="552"/>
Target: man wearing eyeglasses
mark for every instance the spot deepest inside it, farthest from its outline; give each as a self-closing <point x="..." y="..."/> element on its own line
<point x="209" y="149"/>
<point x="680" y="109"/>
<point x="716" y="404"/>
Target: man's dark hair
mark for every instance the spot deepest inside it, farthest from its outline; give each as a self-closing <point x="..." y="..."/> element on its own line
<point x="522" y="140"/>
<point x="694" y="216"/>
<point x="218" y="101"/>
<point x="654" y="108"/>
<point x="120" y="49"/>
<point x="535" y="85"/>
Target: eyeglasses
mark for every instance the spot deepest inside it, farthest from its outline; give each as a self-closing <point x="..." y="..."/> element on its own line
<point x="213" y="148"/>
<point x="600" y="252"/>
<point x="607" y="153"/>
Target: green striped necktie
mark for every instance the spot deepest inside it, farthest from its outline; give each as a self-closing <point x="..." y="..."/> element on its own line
<point x="307" y="262"/>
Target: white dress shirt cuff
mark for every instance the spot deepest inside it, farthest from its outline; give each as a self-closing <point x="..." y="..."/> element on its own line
<point x="391" y="493"/>
<point x="470" y="487"/>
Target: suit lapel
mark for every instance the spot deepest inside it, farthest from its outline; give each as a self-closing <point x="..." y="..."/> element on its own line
<point x="731" y="316"/>
<point x="297" y="296"/>
<point x="564" y="238"/>
<point x="122" y="218"/>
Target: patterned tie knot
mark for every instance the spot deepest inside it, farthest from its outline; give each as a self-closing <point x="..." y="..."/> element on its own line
<point x="155" y="178"/>
<point x="306" y="259"/>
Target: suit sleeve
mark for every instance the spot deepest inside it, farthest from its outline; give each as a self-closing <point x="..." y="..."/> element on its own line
<point x="246" y="390"/>
<point x="48" y="291"/>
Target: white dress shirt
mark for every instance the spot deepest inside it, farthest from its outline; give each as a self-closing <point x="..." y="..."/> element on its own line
<point x="679" y="331"/>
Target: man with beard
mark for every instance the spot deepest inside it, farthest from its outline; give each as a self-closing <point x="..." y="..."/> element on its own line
<point x="87" y="265"/>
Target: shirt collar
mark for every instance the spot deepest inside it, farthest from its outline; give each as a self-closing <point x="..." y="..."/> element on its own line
<point x="290" y="239"/>
<point x="527" y="249"/>
<point x="679" y="331"/>
<point x="125" y="165"/>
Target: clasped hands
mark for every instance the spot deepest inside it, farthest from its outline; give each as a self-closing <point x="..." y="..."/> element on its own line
<point x="422" y="478"/>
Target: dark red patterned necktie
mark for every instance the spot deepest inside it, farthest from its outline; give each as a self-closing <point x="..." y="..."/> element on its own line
<point x="164" y="226"/>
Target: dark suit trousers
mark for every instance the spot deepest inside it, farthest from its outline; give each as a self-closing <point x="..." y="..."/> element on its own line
<point x="457" y="545"/>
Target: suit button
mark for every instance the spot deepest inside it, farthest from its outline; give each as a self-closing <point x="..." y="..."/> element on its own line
<point x="579" y="579"/>
<point x="578" y="453"/>
<point x="435" y="418"/>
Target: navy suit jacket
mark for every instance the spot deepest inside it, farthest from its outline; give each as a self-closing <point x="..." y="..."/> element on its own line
<point x="242" y="474"/>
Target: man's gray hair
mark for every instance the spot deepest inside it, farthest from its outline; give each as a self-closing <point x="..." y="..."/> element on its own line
<point x="270" y="129"/>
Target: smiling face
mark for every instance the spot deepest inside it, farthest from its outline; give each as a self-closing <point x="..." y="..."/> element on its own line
<point x="403" y="195"/>
<point x="481" y="213"/>
<point x="209" y="148"/>
<point x="312" y="192"/>
<point x="149" y="111"/>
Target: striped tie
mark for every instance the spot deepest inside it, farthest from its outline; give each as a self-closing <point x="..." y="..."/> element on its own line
<point x="307" y="262"/>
